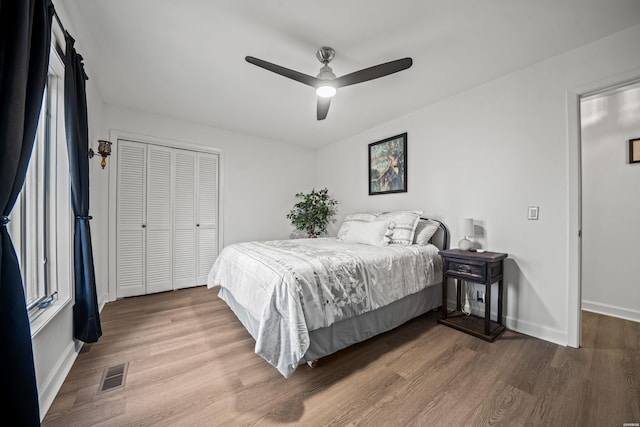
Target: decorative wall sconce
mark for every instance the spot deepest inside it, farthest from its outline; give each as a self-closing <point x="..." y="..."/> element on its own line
<point x="104" y="149"/>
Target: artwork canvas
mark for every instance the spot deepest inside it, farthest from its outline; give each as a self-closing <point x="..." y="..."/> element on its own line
<point x="634" y="150"/>
<point x="388" y="165"/>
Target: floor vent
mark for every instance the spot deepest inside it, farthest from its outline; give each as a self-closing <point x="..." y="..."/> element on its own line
<point x="113" y="378"/>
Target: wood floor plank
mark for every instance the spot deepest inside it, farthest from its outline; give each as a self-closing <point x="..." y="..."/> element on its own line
<point x="192" y="363"/>
<point x="504" y="405"/>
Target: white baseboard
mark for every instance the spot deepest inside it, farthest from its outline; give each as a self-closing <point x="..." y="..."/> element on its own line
<point x="104" y="298"/>
<point x="47" y="393"/>
<point x="532" y="329"/>
<point x="49" y="389"/>
<point x="610" y="310"/>
<point x="537" y="331"/>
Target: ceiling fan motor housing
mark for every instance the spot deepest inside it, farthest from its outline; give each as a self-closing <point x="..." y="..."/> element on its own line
<point x="325" y="54"/>
<point x="326" y="73"/>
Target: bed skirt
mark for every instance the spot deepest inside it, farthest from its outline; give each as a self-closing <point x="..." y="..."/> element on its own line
<point x="325" y="341"/>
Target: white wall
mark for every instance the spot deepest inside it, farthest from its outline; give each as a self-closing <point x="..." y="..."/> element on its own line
<point x="610" y="205"/>
<point x="261" y="177"/>
<point x="489" y="153"/>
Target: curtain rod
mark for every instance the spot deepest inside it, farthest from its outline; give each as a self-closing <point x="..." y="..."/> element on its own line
<point x="58" y="47"/>
<point x="55" y="15"/>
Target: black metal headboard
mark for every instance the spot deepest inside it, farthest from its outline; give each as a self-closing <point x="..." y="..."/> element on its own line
<point x="441" y="237"/>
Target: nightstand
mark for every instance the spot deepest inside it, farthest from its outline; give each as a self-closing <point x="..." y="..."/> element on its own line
<point x="484" y="268"/>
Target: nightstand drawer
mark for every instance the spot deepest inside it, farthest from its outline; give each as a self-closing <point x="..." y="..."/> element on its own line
<point x="467" y="270"/>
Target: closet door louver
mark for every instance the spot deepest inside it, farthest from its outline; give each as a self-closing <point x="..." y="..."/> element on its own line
<point x="167" y="224"/>
<point x="131" y="247"/>
<point x="185" y="220"/>
<point x="207" y="214"/>
<point x="159" y="219"/>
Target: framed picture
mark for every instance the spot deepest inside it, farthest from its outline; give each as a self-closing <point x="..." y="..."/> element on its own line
<point x="634" y="150"/>
<point x="388" y="165"/>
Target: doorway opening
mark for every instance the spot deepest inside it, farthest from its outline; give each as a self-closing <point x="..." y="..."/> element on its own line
<point x="604" y="204"/>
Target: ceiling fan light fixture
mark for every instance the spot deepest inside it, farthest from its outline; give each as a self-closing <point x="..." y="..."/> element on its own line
<point x="326" y="81"/>
<point x="326" y="91"/>
<point x="326" y="88"/>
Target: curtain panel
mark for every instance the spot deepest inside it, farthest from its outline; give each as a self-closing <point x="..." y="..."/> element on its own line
<point x="25" y="40"/>
<point x="86" y="317"/>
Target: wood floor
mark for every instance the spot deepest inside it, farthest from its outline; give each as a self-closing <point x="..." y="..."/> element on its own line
<point x="191" y="363"/>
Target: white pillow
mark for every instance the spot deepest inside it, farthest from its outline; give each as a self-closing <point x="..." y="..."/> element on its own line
<point x="353" y="218"/>
<point x="370" y="233"/>
<point x="405" y="225"/>
<point x="424" y="232"/>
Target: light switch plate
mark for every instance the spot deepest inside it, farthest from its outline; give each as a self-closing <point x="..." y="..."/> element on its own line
<point x="533" y="213"/>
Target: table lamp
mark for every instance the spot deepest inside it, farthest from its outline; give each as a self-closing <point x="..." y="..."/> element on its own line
<point x="466" y="228"/>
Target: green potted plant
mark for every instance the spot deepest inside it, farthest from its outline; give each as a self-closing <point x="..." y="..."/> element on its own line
<point x="313" y="213"/>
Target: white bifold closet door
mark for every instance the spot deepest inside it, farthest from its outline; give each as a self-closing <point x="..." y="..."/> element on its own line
<point x="131" y="217"/>
<point x="167" y="218"/>
<point x="196" y="217"/>
<point x="159" y="227"/>
<point x="207" y="214"/>
<point x="185" y="219"/>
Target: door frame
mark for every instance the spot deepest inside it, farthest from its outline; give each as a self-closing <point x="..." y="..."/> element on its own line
<point x="114" y="136"/>
<point x="574" y="261"/>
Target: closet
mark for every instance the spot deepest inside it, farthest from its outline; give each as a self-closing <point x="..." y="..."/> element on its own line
<point x="167" y="217"/>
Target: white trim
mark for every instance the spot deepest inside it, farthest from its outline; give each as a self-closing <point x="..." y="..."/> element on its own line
<point x="114" y="136"/>
<point x="60" y="216"/>
<point x="574" y="249"/>
<point x="610" y="310"/>
<point x="574" y="288"/>
<point x="555" y="336"/>
<point x="39" y="322"/>
<point x="53" y="382"/>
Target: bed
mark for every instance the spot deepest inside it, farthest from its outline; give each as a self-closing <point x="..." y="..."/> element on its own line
<point x="303" y="299"/>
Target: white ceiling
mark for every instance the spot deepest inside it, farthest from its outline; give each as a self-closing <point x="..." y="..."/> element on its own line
<point x="185" y="59"/>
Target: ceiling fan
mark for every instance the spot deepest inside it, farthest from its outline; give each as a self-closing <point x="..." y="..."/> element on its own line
<point x="326" y="81"/>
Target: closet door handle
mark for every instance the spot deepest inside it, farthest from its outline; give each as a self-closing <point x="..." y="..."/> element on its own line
<point x="144" y="226"/>
<point x="197" y="225"/>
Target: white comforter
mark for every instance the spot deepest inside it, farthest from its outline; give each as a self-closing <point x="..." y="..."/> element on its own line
<point x="292" y="287"/>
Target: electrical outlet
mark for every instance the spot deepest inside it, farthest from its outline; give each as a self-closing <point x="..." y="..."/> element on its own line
<point x="480" y="296"/>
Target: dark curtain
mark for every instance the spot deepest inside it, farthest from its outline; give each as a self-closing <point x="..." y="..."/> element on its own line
<point x="86" y="318"/>
<point x="25" y="39"/>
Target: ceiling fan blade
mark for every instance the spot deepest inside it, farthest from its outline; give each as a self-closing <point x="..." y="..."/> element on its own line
<point x="374" y="72"/>
<point x="295" y="75"/>
<point x="323" y="107"/>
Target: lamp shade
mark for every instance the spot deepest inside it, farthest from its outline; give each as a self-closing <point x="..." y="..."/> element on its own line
<point x="104" y="147"/>
<point x="466" y="227"/>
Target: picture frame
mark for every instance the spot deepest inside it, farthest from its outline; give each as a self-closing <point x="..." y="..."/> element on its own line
<point x="388" y="165"/>
<point x="634" y="150"/>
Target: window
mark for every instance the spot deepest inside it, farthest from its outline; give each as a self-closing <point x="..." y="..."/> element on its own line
<point x="41" y="220"/>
